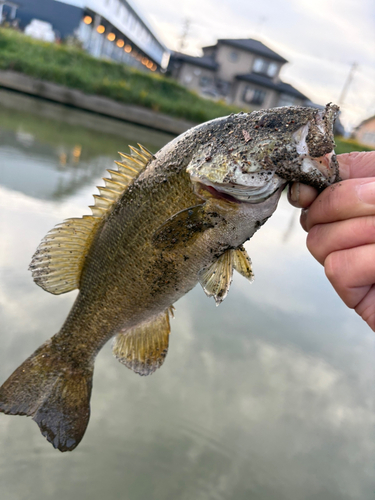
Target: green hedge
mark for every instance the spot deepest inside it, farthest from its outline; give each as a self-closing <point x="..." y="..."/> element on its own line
<point x="74" y="68"/>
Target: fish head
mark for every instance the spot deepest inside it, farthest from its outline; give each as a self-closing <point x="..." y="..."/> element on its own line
<point x="250" y="156"/>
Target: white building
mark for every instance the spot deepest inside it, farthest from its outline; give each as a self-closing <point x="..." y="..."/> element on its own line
<point x="106" y="28"/>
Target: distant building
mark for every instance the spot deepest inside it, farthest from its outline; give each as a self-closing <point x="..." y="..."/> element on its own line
<point x="243" y="71"/>
<point x="365" y="132"/>
<point x="106" y="28"/>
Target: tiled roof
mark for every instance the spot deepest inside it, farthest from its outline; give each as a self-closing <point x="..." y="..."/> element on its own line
<point x="264" y="81"/>
<point x="204" y="62"/>
<point x="252" y="46"/>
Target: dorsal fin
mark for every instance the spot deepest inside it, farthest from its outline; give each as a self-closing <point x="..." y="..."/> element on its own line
<point x="57" y="263"/>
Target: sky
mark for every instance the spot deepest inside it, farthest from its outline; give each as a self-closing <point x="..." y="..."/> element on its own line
<point x="321" y="39"/>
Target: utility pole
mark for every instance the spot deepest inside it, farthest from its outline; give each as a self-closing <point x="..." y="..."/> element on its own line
<point x="185" y="32"/>
<point x="347" y="83"/>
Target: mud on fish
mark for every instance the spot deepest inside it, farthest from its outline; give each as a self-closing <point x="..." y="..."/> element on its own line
<point x="161" y="224"/>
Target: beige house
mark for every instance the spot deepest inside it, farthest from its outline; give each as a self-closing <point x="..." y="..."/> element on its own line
<point x="243" y="71"/>
<point x="365" y="132"/>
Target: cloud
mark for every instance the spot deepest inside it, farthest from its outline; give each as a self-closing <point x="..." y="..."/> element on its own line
<point x="320" y="39"/>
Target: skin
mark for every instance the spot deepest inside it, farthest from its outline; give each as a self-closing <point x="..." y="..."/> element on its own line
<point x="340" y="223"/>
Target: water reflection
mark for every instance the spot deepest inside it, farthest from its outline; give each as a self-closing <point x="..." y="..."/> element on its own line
<point x="268" y="396"/>
<point x="56" y="150"/>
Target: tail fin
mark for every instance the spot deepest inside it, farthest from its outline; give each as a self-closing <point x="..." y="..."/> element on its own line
<point x="56" y="394"/>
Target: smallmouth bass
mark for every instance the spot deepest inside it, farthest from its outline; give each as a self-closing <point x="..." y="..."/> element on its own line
<point x="160" y="225"/>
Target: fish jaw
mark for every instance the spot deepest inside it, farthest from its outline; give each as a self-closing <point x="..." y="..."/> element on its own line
<point x="250" y="156"/>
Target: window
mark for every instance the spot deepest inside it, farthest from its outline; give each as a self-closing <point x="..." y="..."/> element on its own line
<point x="233" y="56"/>
<point x="260" y="65"/>
<point x="265" y="67"/>
<point x="253" y="95"/>
<point x="272" y="69"/>
<point x="205" y="81"/>
<point x="286" y="100"/>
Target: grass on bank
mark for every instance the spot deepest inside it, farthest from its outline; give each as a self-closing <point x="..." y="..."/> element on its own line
<point x="348" y="145"/>
<point x="76" y="69"/>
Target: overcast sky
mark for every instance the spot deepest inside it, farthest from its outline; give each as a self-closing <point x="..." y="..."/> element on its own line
<point x="321" y="39"/>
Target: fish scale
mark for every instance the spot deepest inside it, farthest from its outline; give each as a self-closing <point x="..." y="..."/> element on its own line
<point x="161" y="224"/>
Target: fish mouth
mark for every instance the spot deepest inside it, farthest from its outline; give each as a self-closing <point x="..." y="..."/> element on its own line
<point x="314" y="143"/>
<point x="326" y="165"/>
<point x="236" y="193"/>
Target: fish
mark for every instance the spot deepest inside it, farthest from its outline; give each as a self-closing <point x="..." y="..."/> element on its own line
<point x="161" y="224"/>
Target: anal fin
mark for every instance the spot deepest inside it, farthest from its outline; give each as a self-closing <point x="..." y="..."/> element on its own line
<point x="144" y="347"/>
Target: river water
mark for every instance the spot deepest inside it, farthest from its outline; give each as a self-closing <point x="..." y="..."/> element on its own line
<point x="269" y="396"/>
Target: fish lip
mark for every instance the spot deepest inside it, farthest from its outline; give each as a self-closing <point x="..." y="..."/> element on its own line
<point x="240" y="194"/>
<point x="326" y="167"/>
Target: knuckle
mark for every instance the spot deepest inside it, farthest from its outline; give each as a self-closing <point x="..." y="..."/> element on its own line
<point x="313" y="240"/>
<point x="333" y="268"/>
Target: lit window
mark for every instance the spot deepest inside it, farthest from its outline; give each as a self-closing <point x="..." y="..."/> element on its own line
<point x="87" y="20"/>
<point x="100" y="28"/>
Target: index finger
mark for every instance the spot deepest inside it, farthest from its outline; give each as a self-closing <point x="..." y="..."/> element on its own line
<point x="356" y="165"/>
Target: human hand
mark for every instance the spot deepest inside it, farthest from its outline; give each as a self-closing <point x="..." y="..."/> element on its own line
<point x="340" y="223"/>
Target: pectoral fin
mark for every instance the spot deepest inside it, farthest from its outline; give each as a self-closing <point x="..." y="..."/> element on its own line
<point x="144" y="347"/>
<point x="182" y="228"/>
<point x="242" y="263"/>
<point x="216" y="279"/>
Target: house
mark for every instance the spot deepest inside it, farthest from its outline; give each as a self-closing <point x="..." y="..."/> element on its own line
<point x="243" y="71"/>
<point x="106" y="28"/>
<point x="365" y="132"/>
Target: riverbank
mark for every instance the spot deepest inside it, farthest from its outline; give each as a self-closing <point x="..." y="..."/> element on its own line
<point x="104" y="106"/>
<point x="67" y="75"/>
<point x="73" y="68"/>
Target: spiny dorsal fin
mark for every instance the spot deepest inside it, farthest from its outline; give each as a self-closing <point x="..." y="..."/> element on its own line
<point x="57" y="263"/>
<point x="128" y="170"/>
<point x="216" y="280"/>
<point x="144" y="347"/>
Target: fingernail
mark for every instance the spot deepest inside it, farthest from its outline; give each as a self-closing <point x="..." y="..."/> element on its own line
<point x="366" y="192"/>
<point x="303" y="218"/>
<point x="294" y="192"/>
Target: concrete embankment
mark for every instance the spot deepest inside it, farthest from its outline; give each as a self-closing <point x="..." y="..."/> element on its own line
<point x="97" y="104"/>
